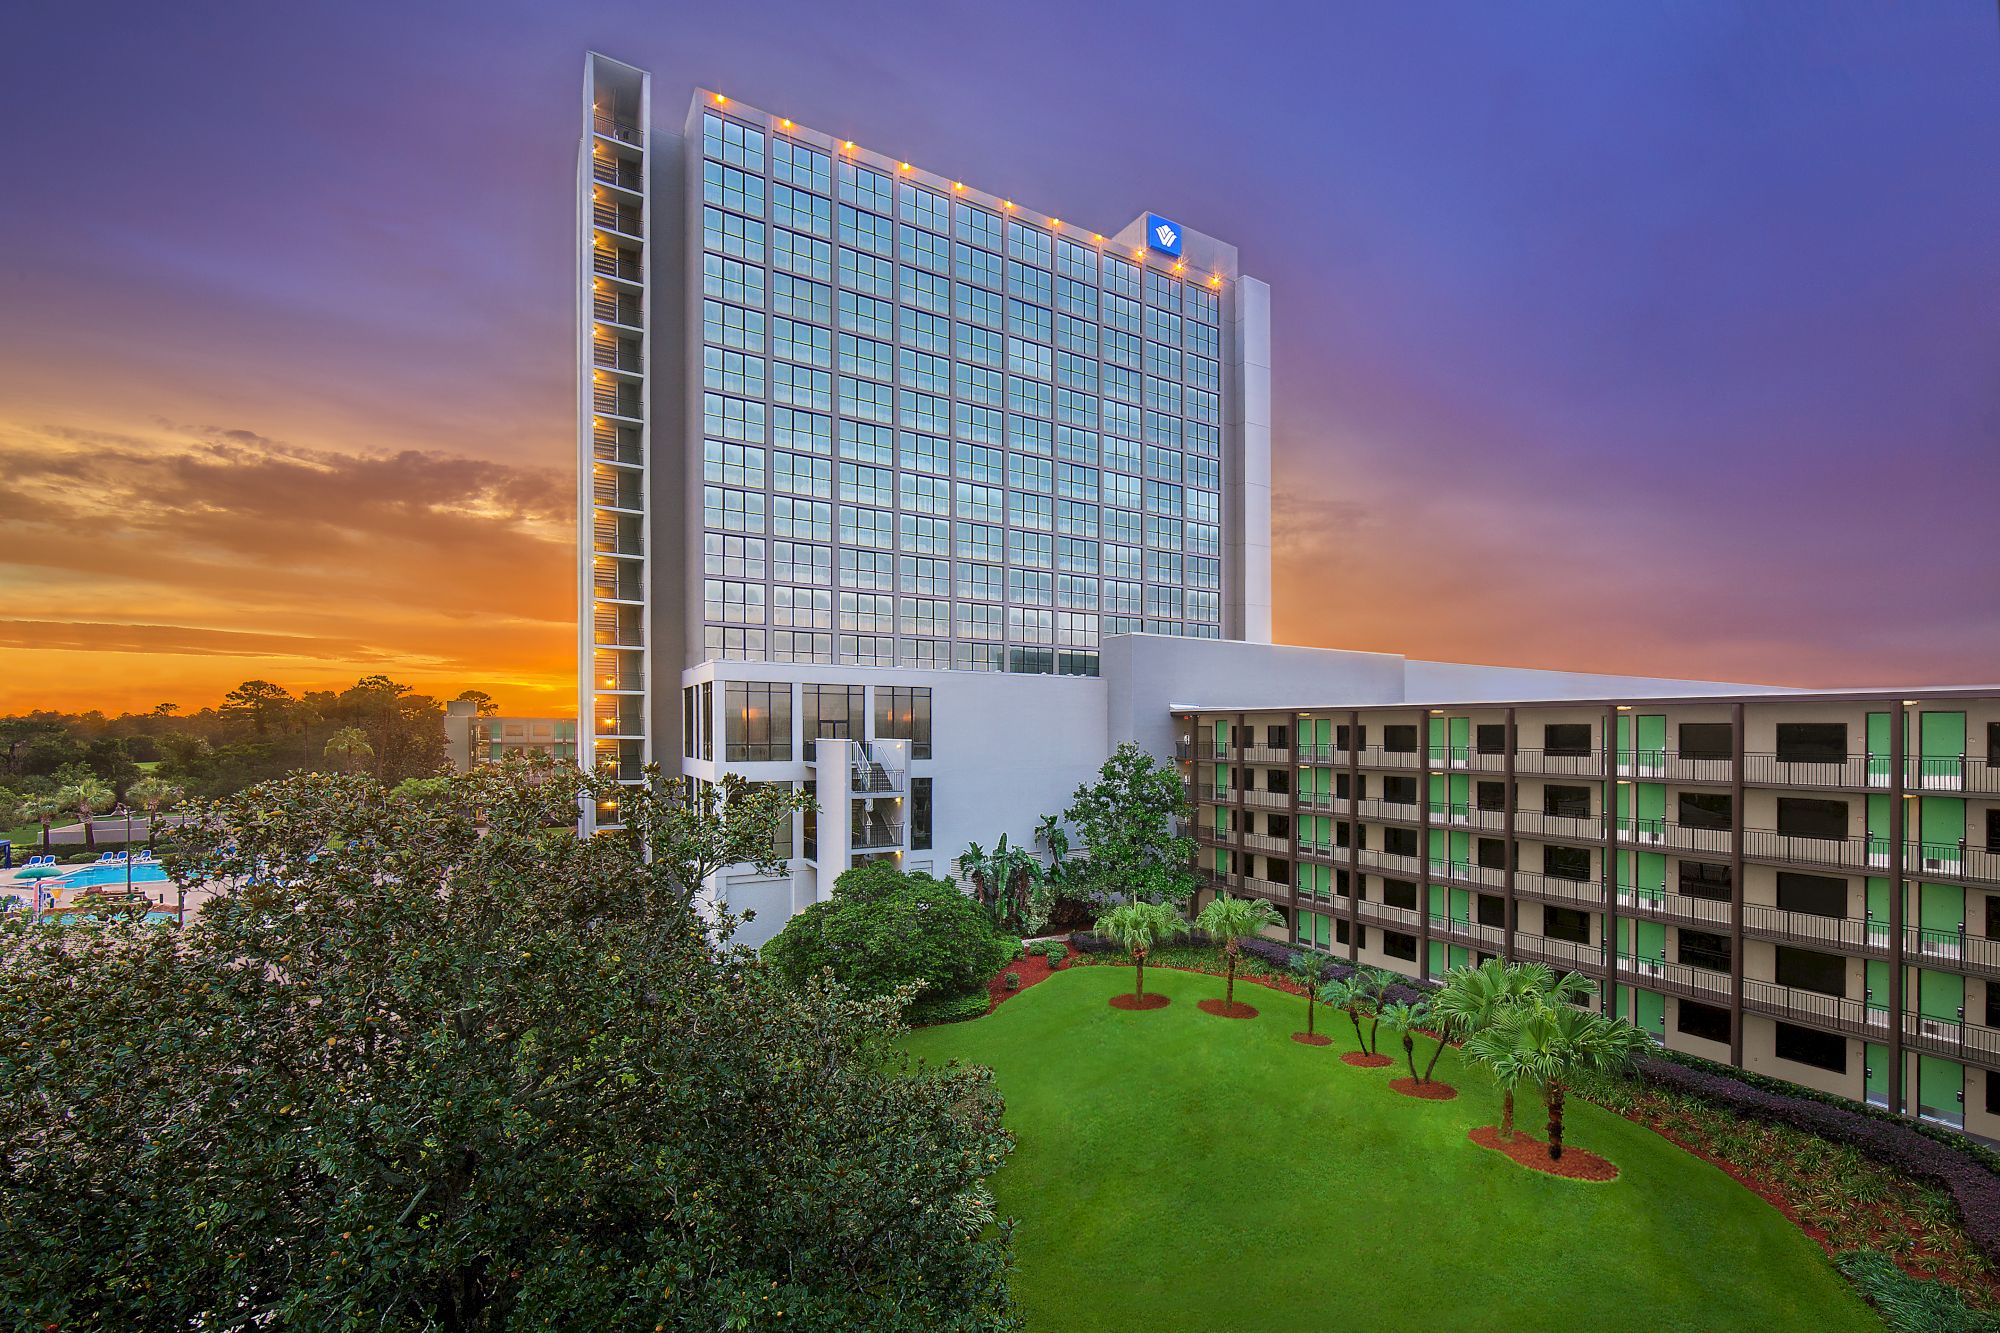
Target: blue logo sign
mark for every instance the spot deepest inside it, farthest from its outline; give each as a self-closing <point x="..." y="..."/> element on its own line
<point x="1163" y="235"/>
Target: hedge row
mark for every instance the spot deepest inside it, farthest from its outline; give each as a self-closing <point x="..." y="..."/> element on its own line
<point x="1895" y="1144"/>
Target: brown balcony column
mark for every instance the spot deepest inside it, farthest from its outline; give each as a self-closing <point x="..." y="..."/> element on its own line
<point x="1353" y="836"/>
<point x="1424" y="848"/>
<point x="1507" y="834"/>
<point x="1292" y="809"/>
<point x="1735" y="885"/>
<point x="1607" y="816"/>
<point x="1897" y="722"/>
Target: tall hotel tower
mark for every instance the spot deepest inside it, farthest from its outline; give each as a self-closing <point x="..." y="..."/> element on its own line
<point x="873" y="465"/>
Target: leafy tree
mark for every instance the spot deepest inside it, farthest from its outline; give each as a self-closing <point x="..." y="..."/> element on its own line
<point x="484" y="701"/>
<point x="350" y="749"/>
<point x="1233" y="920"/>
<point x="1139" y="928"/>
<point x="109" y="758"/>
<point x="1549" y="1042"/>
<point x="1309" y="972"/>
<point x="1403" y="1019"/>
<point x="1010" y="883"/>
<point x="1125" y="821"/>
<point x="1378" y="982"/>
<point x="87" y="796"/>
<point x="416" y="1071"/>
<point x="884" y="930"/>
<point x="258" y="702"/>
<point x="1472" y="999"/>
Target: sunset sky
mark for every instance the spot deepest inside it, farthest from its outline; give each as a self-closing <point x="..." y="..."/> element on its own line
<point x="1622" y="337"/>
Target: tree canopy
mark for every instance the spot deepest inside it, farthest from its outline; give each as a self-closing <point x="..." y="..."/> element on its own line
<point x="433" y="1062"/>
<point x="1125" y="825"/>
<point x="883" y="929"/>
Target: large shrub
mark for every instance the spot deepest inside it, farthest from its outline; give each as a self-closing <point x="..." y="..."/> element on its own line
<point x="426" y="1069"/>
<point x="883" y="929"/>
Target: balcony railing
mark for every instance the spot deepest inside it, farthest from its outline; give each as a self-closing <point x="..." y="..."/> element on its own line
<point x="1854" y="1017"/>
<point x="1383" y="914"/>
<point x="1538" y="824"/>
<point x="1263" y="842"/>
<point x="1684" y="979"/>
<point x="616" y="490"/>
<point x="868" y="776"/>
<point x="1666" y="833"/>
<point x="1328" y="755"/>
<point x="612" y="128"/>
<point x="1951" y="773"/>
<point x="615" y="217"/>
<point x="1851" y="853"/>
<point x="1469" y="816"/>
<point x="1405" y="812"/>
<point x="616" y="354"/>
<point x="1677" y="908"/>
<point x="617" y="583"/>
<point x="1394" y="862"/>
<point x="1374" y="756"/>
<point x="1467" y="875"/>
<point x="1267" y="800"/>
<point x="1853" y="934"/>
<point x="612" y="171"/>
<point x="1322" y="800"/>
<point x="1557" y="953"/>
<point x="1588" y="893"/>
<point x="610" y="444"/>
<point x="613" y="265"/>
<point x="874" y="835"/>
<point x="617" y="308"/>
<point x="1490" y="938"/>
<point x="1267" y="754"/>
<point x="1559" y="763"/>
<point x="607" y="399"/>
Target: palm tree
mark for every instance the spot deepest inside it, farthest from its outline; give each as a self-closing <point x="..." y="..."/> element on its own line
<point x="41" y="809"/>
<point x="1233" y="920"/>
<point x="1138" y="928"/>
<point x="349" y="748"/>
<point x="1549" y="1042"/>
<point x="1402" y="1019"/>
<point x="1352" y="995"/>
<point x="150" y="794"/>
<point x="1378" y="983"/>
<point x="1309" y="971"/>
<point x="86" y="796"/>
<point x="1473" y="999"/>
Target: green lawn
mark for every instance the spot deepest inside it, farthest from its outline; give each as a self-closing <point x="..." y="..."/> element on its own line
<point x="1180" y="1172"/>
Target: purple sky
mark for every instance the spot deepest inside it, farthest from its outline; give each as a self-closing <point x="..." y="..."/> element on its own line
<point x="1618" y="337"/>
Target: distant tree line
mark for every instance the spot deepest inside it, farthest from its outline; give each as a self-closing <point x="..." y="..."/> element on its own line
<point x="258" y="731"/>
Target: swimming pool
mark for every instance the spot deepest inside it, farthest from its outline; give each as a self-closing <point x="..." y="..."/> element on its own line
<point x="92" y="875"/>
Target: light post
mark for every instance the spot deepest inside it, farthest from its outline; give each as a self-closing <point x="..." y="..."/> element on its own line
<point x="126" y="810"/>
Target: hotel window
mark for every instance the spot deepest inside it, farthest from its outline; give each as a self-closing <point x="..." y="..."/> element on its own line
<point x="1700" y="948"/>
<point x="733" y="189"/>
<point x="802" y="166"/>
<point x="1810" y="817"/>
<point x="1807" y="1046"/>
<point x="1705" y="879"/>
<point x="920" y="814"/>
<point x="732" y="235"/>
<point x="866" y="187"/>
<point x="903" y="713"/>
<point x="1567" y="739"/>
<point x="1706" y="740"/>
<point x="801" y="212"/>
<point x="802" y="430"/>
<point x="757" y="721"/>
<point x="704" y="720"/>
<point x="834" y="712"/>
<point x="1706" y="1021"/>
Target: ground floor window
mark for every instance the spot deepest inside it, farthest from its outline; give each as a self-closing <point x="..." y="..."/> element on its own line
<point x="1398" y="945"/>
<point x="1808" y="1046"/>
<point x="1702" y="1020"/>
<point x="920" y="814"/>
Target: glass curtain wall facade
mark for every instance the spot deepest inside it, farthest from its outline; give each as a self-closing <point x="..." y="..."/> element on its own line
<point x="935" y="431"/>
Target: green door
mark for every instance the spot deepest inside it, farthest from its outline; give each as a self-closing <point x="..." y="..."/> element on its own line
<point x="1440" y="791"/>
<point x="1650" y="755"/>
<point x="1940" y="1090"/>
<point x="1461" y="739"/>
<point x="1940" y="835"/>
<point x="1942" y="737"/>
<point x="1651" y="941"/>
<point x="1878" y="830"/>
<point x="1878" y="749"/>
<point x="1878" y="1072"/>
<point x="1940" y="995"/>
<point x="1222" y="740"/>
<point x="1460" y="791"/>
<point x="1649" y="1012"/>
<point x="1461" y="849"/>
<point x="1438" y="734"/>
<point x="1440" y="957"/>
<point x="1651" y="799"/>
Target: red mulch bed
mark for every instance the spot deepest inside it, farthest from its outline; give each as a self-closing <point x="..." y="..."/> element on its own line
<point x="1575" y="1164"/>
<point x="1127" y="1000"/>
<point x="1360" y="1061"/>
<point x="1425" y="1092"/>
<point x="1312" y="1039"/>
<point x="1030" y="968"/>
<point x="1226" y="1009"/>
